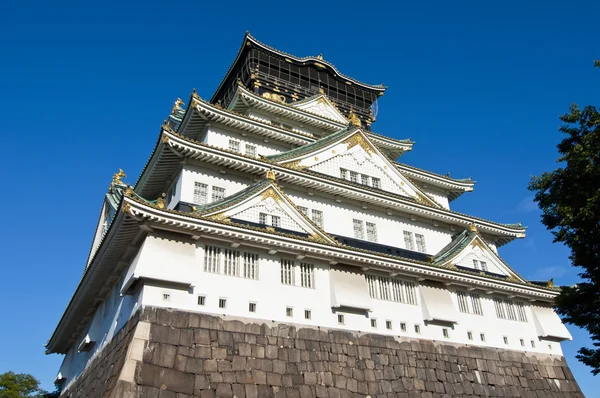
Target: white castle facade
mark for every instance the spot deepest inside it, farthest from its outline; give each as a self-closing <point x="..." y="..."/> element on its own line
<point x="275" y="201"/>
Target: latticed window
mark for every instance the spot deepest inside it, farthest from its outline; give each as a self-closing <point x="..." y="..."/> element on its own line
<point x="364" y="179"/>
<point x="303" y="210"/>
<point x="500" y="311"/>
<point x="262" y="218"/>
<point x="250" y="269"/>
<point x="306" y="275"/>
<point x="275" y="221"/>
<point x="359" y="232"/>
<point x="344" y="174"/>
<point x="481" y="265"/>
<point x="317" y="217"/>
<point x="408" y="240"/>
<point x="234" y="145"/>
<point x="218" y="193"/>
<point x="508" y="309"/>
<point x="521" y="314"/>
<point x="250" y="150"/>
<point x="231" y="260"/>
<point x="200" y="193"/>
<point x="287" y="272"/>
<point x="371" y="232"/>
<point x="469" y="303"/>
<point x="420" y="239"/>
<point x="384" y="288"/>
<point x="212" y="256"/>
<point x="376" y="182"/>
<point x="353" y="176"/>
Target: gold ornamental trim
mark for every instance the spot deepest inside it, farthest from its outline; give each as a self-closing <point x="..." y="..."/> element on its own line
<point x="358" y="139"/>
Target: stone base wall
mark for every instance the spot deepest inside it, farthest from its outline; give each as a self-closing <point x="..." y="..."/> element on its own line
<point x="173" y="354"/>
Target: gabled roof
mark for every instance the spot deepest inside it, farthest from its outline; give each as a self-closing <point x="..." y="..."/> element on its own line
<point x="463" y="242"/>
<point x="455" y="186"/>
<point x="351" y="136"/>
<point x="320" y="100"/>
<point x="265" y="190"/>
<point x="311" y="60"/>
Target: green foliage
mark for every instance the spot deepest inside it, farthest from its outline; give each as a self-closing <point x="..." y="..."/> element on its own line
<point x="13" y="385"/>
<point x="569" y="198"/>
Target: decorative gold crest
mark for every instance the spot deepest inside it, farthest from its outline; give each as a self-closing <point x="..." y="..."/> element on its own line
<point x="117" y="177"/>
<point x="177" y="106"/>
<point x="271" y="175"/>
<point x="358" y="139"/>
<point x="354" y="119"/>
<point x="274" y="97"/>
<point x="472" y="227"/>
<point x="270" y="193"/>
<point x="295" y="165"/>
<point x="127" y="208"/>
<point x="161" y="202"/>
<point x="129" y="191"/>
<point x="550" y="283"/>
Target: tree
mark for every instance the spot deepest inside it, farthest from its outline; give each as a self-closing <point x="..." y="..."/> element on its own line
<point x="23" y="385"/>
<point x="569" y="198"/>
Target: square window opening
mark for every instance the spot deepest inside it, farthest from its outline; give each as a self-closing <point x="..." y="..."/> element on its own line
<point x="222" y="303"/>
<point x="289" y="311"/>
<point x="252" y="307"/>
<point x="201" y="300"/>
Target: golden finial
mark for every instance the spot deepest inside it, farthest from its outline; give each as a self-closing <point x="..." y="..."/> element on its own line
<point x="354" y="119"/>
<point x="177" y="106"/>
<point x="161" y="203"/>
<point x="129" y="190"/>
<point x="126" y="208"/>
<point x="271" y="175"/>
<point x="550" y="283"/>
<point x="472" y="227"/>
<point x="117" y="177"/>
<point x="320" y="56"/>
<point x="321" y="91"/>
<point x="195" y="94"/>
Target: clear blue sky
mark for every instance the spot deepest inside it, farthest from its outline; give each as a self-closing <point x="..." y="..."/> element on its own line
<point x="83" y="89"/>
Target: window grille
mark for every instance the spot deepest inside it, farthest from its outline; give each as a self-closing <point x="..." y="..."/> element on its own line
<point x="231" y="262"/>
<point x="445" y="333"/>
<point x="200" y="193"/>
<point x="222" y="303"/>
<point x="340" y="319"/>
<point x="287" y="272"/>
<point x="364" y="179"/>
<point x="469" y="303"/>
<point x="201" y="300"/>
<point x="511" y="310"/>
<point x="408" y="240"/>
<point x="499" y="305"/>
<point x="482" y="336"/>
<point x="521" y="315"/>
<point x="483" y="265"/>
<point x="371" y="232"/>
<point x="212" y="256"/>
<point x="505" y="339"/>
<point x="276" y="221"/>
<point x="476" y="264"/>
<point x="218" y="193"/>
<point x="403" y="326"/>
<point x="317" y="217"/>
<point x="358" y="229"/>
<point x="307" y="314"/>
<point x="250" y="150"/>
<point x="250" y="266"/>
<point x="303" y="210"/>
<point x="532" y="344"/>
<point x="251" y="307"/>
<point x="344" y="174"/>
<point x="391" y="289"/>
<point x="306" y="275"/>
<point x="384" y="288"/>
<point x="373" y="323"/>
<point x="388" y="325"/>
<point x="354" y="176"/>
<point x="420" y="239"/>
<point x="470" y="335"/>
<point x="522" y="342"/>
<point x="376" y="182"/>
<point x="289" y="311"/>
<point x="418" y="329"/>
<point x="234" y="145"/>
<point x="262" y="218"/>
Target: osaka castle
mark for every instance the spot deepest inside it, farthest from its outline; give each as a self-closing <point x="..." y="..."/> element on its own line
<point x="277" y="244"/>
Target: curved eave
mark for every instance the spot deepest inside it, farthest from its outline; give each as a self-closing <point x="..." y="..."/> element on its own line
<point x="102" y="270"/>
<point x="455" y="187"/>
<point x="334" y="186"/>
<point x="249" y="40"/>
<point x="175" y="220"/>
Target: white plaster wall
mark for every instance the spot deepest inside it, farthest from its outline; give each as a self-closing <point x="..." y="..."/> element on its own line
<point x="439" y="195"/>
<point x="219" y="137"/>
<point x="272" y="297"/>
<point x="231" y="181"/>
<point x="109" y="318"/>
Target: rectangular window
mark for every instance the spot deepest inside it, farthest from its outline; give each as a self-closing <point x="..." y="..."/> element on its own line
<point x="289" y="311"/>
<point x="376" y="182"/>
<point x="200" y="193"/>
<point x="408" y="240"/>
<point x="287" y="272"/>
<point x="418" y="329"/>
<point x="522" y="342"/>
<point x="340" y="319"/>
<point x="212" y="256"/>
<point x="250" y="150"/>
<point x="307" y="314"/>
<point x="521" y="315"/>
<point x="276" y="221"/>
<point x="371" y="232"/>
<point x="218" y="193"/>
<point x="354" y="176"/>
<point x="510" y="310"/>
<point x="201" y="300"/>
<point x="469" y="303"/>
<point x="364" y="179"/>
<point x="262" y="218"/>
<point x="476" y="264"/>
<point x="482" y="336"/>
<point x="252" y="307"/>
<point x="397" y="290"/>
<point x="359" y="232"/>
<point x="445" y="333"/>
<point x="403" y="326"/>
<point x="373" y="323"/>
<point x="469" y="335"/>
<point x="500" y="311"/>
<point x="234" y="145"/>
<point x="306" y="275"/>
<point x="483" y="265"/>
<point x="344" y="174"/>
<point x="303" y="210"/>
<point x="231" y="262"/>
<point x="388" y="325"/>
<point x="222" y="303"/>
<point x="250" y="264"/>
<point x="166" y="297"/>
<point x="420" y="243"/>
<point x="532" y="344"/>
<point x="505" y="339"/>
<point x="317" y="217"/>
